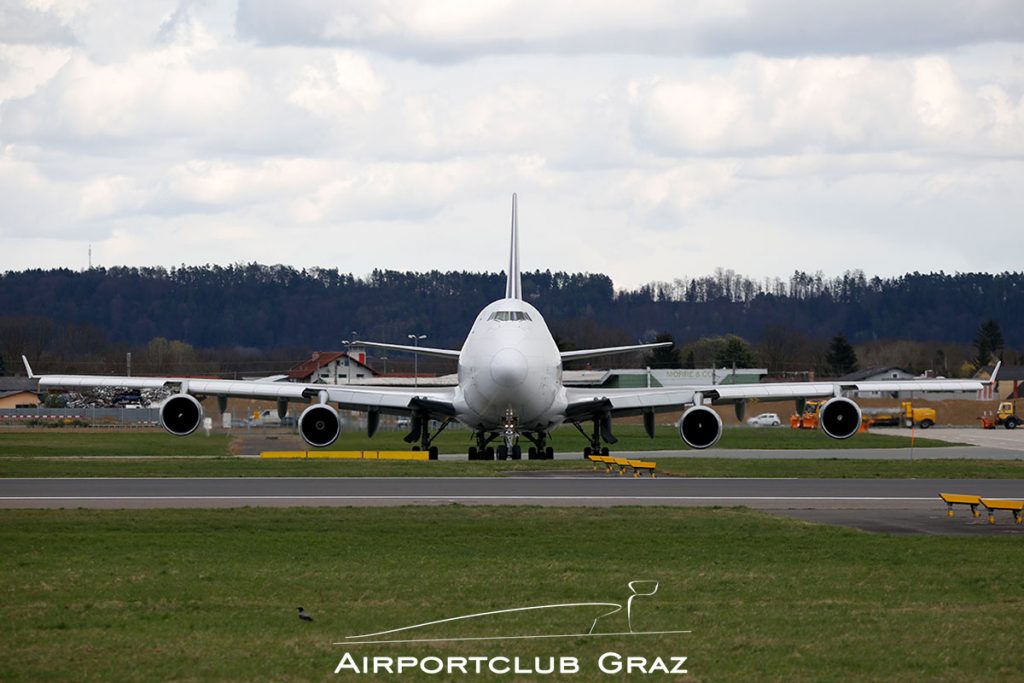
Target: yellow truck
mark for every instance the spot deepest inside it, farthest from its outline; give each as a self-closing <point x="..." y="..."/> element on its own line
<point x="808" y="418"/>
<point x="904" y="416"/>
<point x="1007" y="415"/>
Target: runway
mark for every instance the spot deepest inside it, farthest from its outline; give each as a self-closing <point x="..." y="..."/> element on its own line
<point x="902" y="505"/>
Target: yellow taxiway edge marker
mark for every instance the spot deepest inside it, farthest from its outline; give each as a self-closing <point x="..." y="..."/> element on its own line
<point x="951" y="499"/>
<point x="283" y="454"/>
<point x="403" y="455"/>
<point x="337" y="455"/>
<point x="1014" y="506"/>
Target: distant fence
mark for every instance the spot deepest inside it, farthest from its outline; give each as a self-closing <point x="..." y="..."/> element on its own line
<point x="136" y="417"/>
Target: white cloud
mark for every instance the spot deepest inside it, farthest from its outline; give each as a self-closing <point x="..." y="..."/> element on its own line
<point x="453" y="30"/>
<point x="646" y="140"/>
<point x="846" y="105"/>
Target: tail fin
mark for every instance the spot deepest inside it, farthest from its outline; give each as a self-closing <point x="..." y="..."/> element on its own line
<point x="514" y="286"/>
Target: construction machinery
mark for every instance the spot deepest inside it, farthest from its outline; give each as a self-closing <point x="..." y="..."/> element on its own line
<point x="808" y="417"/>
<point x="1007" y="415"/>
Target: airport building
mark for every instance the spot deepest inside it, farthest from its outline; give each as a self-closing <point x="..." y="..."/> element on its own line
<point x="18" y="392"/>
<point x="333" y="367"/>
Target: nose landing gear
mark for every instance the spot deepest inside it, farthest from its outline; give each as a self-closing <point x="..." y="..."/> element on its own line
<point x="510" y="433"/>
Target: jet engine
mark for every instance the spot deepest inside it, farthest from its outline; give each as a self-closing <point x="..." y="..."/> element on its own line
<point x="700" y="427"/>
<point x="181" y="414"/>
<point x="839" y="418"/>
<point x="320" y="425"/>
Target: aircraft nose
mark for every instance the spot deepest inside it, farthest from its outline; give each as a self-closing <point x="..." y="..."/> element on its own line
<point x="509" y="368"/>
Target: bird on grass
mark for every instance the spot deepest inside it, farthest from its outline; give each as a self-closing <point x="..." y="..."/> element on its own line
<point x="304" y="616"/>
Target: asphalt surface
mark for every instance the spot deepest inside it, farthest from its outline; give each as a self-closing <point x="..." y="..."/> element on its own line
<point x="894" y="505"/>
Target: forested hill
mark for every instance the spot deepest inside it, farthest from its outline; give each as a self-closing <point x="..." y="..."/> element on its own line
<point x="277" y="306"/>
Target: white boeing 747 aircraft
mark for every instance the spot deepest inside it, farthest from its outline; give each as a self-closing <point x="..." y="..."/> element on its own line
<point x="509" y="390"/>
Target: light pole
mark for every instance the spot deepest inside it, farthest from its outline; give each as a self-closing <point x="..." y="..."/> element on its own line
<point x="416" y="359"/>
<point x="348" y="356"/>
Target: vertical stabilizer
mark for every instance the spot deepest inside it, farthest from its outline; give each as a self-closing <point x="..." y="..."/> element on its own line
<point x="514" y="287"/>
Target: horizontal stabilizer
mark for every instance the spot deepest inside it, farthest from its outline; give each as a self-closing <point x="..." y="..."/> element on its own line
<point x="611" y="350"/>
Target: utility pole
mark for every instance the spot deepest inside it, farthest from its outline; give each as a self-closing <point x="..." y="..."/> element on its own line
<point x="416" y="359"/>
<point x="129" y="362"/>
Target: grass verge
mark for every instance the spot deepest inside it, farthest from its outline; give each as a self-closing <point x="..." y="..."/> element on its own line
<point x="211" y="594"/>
<point x="51" y="442"/>
<point x="689" y="467"/>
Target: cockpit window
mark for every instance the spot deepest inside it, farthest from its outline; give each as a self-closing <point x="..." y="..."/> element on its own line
<point x="506" y="316"/>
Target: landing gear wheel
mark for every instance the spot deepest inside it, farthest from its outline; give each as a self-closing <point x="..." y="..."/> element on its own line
<point x="587" y="452"/>
<point x="415" y="448"/>
<point x="531" y="453"/>
<point x="473" y="453"/>
<point x="549" y="453"/>
<point x="605" y="451"/>
<point x="432" y="453"/>
<point x="517" y="452"/>
<point x="502" y="452"/>
<point x="489" y="453"/>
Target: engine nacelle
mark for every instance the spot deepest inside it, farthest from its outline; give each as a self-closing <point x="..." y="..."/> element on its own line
<point x="319" y="425"/>
<point x="181" y="414"/>
<point x="839" y="418"/>
<point x="700" y="427"/>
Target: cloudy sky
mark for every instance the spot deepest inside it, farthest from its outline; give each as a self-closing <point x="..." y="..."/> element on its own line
<point x="647" y="139"/>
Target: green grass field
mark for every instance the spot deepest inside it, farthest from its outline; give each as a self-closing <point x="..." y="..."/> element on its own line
<point x="79" y="442"/>
<point x="211" y="594"/>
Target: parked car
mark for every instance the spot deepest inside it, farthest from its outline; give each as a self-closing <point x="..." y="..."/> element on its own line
<point x="765" y="420"/>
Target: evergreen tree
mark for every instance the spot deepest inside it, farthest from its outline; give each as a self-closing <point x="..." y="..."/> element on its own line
<point x="841" y="359"/>
<point x="667" y="357"/>
<point x="735" y="353"/>
<point x="691" y="362"/>
<point x="3" y="367"/>
<point x="988" y="341"/>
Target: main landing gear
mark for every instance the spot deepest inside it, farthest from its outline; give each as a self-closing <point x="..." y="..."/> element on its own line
<point x="483" y="451"/>
<point x="421" y="432"/>
<point x="602" y="431"/>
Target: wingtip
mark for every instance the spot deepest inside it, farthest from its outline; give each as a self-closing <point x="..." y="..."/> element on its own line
<point x="28" y="368"/>
<point x="995" y="372"/>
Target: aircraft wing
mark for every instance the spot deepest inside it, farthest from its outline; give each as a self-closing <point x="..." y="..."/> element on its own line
<point x="425" y="350"/>
<point x="436" y="401"/>
<point x="585" y="402"/>
<point x="611" y="350"/>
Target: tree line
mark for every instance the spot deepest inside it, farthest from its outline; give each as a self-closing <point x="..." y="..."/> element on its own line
<point x="930" y="320"/>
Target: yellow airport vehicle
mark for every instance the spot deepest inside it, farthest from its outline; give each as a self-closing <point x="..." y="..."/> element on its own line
<point x="807" y="419"/>
<point x="951" y="499"/>
<point x="1014" y="506"/>
<point x="1007" y="415"/>
<point x="905" y="416"/>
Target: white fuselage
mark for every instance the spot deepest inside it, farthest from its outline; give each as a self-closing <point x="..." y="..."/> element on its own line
<point x="510" y="367"/>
